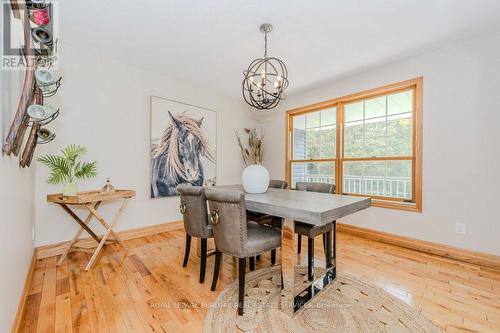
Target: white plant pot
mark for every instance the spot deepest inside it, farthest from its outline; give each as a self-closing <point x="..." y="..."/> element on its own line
<point x="255" y="179"/>
<point x="70" y="189"/>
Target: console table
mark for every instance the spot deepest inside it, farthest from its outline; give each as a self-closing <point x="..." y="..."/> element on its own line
<point x="91" y="200"/>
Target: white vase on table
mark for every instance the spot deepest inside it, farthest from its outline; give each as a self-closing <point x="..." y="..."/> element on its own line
<point x="255" y="179"/>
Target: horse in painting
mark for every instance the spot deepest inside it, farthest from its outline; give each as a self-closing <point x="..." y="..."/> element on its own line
<point x="177" y="157"/>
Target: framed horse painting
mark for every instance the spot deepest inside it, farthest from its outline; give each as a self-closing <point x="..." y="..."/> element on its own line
<point x="183" y="146"/>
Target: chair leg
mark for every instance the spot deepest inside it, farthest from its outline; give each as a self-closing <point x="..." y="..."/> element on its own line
<point x="273" y="256"/>
<point x="299" y="246"/>
<point x="251" y="263"/>
<point x="218" y="257"/>
<point x="186" y="251"/>
<point x="203" y="265"/>
<point x="310" y="258"/>
<point x="241" y="288"/>
<point x="258" y="257"/>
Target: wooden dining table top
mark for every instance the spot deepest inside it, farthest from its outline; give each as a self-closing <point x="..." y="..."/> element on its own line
<point x="309" y="207"/>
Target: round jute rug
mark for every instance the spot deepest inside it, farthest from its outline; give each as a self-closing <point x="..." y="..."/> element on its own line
<point x="348" y="305"/>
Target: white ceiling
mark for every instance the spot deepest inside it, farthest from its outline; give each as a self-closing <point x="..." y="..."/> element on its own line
<point x="210" y="42"/>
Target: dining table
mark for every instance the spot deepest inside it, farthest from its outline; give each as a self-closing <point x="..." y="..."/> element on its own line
<point x="314" y="209"/>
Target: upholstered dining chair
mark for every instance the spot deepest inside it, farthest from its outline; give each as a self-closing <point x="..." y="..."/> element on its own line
<point x="276" y="183"/>
<point x="194" y="214"/>
<point x="303" y="229"/>
<point x="272" y="221"/>
<point x="236" y="236"/>
<point x="264" y="218"/>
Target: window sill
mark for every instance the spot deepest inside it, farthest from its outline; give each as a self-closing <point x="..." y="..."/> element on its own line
<point x="410" y="207"/>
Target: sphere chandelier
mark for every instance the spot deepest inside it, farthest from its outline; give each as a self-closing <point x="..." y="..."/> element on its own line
<point x="265" y="79"/>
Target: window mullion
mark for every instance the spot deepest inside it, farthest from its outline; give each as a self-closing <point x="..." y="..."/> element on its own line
<point x="386" y="124"/>
<point x="340" y="148"/>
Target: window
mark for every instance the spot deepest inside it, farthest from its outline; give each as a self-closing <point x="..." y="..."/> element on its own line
<point x="368" y="144"/>
<point x="314" y="147"/>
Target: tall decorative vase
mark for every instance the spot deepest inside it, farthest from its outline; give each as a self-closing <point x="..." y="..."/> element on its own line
<point x="70" y="188"/>
<point x="255" y="179"/>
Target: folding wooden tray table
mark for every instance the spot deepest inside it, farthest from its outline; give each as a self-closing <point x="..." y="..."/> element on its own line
<point x="92" y="200"/>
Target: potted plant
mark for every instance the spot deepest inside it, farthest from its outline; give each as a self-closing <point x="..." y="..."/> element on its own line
<point x="67" y="168"/>
<point x="255" y="178"/>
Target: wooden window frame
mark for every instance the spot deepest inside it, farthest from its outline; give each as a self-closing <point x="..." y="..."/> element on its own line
<point x="416" y="85"/>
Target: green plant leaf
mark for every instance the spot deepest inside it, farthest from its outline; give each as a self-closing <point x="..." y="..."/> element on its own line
<point x="58" y="166"/>
<point x="65" y="168"/>
<point x="86" y="170"/>
<point x="72" y="152"/>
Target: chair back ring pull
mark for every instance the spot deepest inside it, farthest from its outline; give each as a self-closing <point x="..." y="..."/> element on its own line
<point x="214" y="216"/>
<point x="182" y="208"/>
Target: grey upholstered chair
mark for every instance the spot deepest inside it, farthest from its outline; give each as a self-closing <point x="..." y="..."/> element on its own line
<point x="275" y="183"/>
<point x="236" y="236"/>
<point x="194" y="213"/>
<point x="303" y="229"/>
<point x="266" y="219"/>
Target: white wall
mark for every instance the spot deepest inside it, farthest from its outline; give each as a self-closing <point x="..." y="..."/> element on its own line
<point x="105" y="106"/>
<point x="16" y="210"/>
<point x="461" y="148"/>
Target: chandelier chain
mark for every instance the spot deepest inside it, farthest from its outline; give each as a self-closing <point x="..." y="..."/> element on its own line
<point x="265" y="45"/>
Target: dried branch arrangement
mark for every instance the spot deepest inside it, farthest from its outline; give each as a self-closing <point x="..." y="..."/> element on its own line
<point x="253" y="153"/>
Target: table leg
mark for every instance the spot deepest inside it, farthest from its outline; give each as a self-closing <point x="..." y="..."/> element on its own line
<point x="328" y="249"/>
<point x="288" y="266"/>
<point x="99" y="218"/>
<point x="334" y="243"/>
<point x="80" y="222"/>
<point x="77" y="235"/>
<point x="297" y="291"/>
<point x="106" y="235"/>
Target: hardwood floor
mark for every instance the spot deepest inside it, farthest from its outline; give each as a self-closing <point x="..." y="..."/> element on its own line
<point x="149" y="291"/>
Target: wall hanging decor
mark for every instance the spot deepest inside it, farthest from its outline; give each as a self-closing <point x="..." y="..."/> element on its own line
<point x="183" y="146"/>
<point x="45" y="136"/>
<point x="47" y="82"/>
<point x="39" y="81"/>
<point x="42" y="40"/>
<point x="37" y="112"/>
<point x="265" y="79"/>
<point x="39" y="12"/>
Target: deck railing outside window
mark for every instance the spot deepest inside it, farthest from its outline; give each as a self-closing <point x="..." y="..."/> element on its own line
<point x="394" y="187"/>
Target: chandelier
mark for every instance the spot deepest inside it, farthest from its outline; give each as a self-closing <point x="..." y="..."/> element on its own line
<point x="265" y="79"/>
